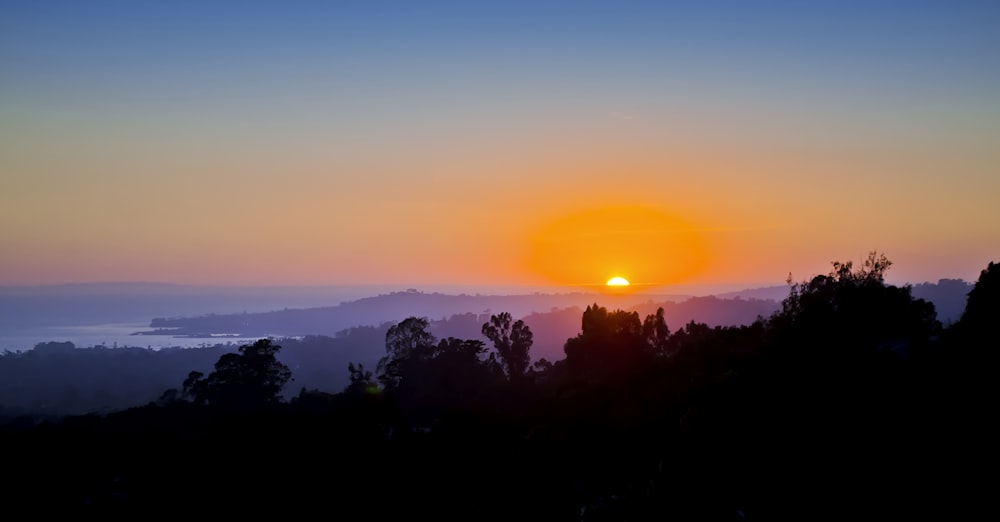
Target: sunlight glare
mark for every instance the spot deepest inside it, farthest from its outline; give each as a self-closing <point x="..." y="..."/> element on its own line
<point x="652" y="246"/>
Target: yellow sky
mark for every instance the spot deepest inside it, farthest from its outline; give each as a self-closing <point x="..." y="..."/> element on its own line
<point x="212" y="156"/>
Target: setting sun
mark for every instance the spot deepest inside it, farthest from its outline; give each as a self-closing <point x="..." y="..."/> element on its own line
<point x="650" y="245"/>
<point x="617" y="281"/>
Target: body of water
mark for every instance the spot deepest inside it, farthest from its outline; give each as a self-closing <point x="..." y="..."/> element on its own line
<point x="111" y="335"/>
<point x="107" y="314"/>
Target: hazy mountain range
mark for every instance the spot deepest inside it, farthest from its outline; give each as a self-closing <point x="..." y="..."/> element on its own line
<point x="731" y="308"/>
<point x="319" y="341"/>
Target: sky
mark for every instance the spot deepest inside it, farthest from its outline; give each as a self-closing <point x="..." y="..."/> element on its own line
<point x="496" y="143"/>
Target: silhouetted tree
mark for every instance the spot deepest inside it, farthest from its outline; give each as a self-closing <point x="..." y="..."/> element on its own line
<point x="361" y="380"/>
<point x="609" y="342"/>
<point x="656" y="332"/>
<point x="427" y="380"/>
<point x="982" y="309"/>
<point x="972" y="347"/>
<point x="193" y="386"/>
<point x="404" y="341"/>
<point x="855" y="311"/>
<point x="836" y="360"/>
<point x="251" y="378"/>
<point x="512" y="343"/>
<point x="456" y="364"/>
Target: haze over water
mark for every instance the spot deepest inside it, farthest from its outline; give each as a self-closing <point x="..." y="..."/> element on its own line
<point x="108" y="314"/>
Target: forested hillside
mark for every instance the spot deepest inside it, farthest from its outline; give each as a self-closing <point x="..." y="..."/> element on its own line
<point x="851" y="398"/>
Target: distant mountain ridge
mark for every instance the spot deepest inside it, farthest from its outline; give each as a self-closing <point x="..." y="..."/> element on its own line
<point x="372" y="311"/>
<point x="318" y="347"/>
<point x="723" y="309"/>
<point x="773" y="293"/>
<point x="948" y="296"/>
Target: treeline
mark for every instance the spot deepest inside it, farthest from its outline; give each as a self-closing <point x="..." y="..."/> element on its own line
<point x="851" y="401"/>
<point x="57" y="378"/>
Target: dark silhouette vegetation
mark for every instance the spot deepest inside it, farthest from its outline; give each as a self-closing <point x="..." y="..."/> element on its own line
<point x="57" y="378"/>
<point x="852" y="400"/>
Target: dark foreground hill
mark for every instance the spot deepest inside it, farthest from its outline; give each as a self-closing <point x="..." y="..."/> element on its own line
<point x="852" y="400"/>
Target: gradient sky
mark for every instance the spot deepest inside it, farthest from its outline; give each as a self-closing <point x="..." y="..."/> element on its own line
<point x="511" y="143"/>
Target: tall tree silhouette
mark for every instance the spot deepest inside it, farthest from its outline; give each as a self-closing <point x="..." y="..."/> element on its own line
<point x="404" y="341"/>
<point x="982" y="309"/>
<point x="609" y="343"/>
<point x="512" y="342"/>
<point x="973" y="348"/>
<point x="251" y="378"/>
<point x="656" y="332"/>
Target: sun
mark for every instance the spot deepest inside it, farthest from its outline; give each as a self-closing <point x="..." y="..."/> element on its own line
<point x="651" y="246"/>
<point x="617" y="281"/>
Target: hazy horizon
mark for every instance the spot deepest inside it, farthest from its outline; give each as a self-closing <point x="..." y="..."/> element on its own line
<point x="111" y="313"/>
<point x="359" y="290"/>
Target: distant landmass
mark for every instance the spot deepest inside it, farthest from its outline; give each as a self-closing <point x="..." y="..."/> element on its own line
<point x="372" y="311"/>
<point x="730" y="308"/>
<point x="319" y="342"/>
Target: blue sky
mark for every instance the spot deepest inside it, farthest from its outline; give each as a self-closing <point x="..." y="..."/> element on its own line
<point x="396" y="116"/>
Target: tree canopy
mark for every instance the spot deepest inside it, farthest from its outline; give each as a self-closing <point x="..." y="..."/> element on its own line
<point x="512" y="342"/>
<point x="849" y="398"/>
<point x="854" y="309"/>
<point x="249" y="378"/>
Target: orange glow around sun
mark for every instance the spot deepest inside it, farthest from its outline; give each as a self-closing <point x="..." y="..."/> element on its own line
<point x="651" y="246"/>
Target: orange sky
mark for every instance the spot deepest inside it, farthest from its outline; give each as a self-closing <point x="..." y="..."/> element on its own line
<point x="466" y="156"/>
